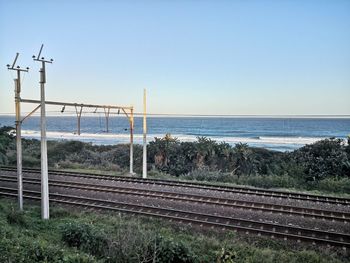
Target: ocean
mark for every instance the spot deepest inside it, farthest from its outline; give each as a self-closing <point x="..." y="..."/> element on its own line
<point x="281" y="134"/>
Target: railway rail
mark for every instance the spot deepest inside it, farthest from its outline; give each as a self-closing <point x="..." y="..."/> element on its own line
<point x="174" y="183"/>
<point x="193" y="218"/>
<point x="186" y="197"/>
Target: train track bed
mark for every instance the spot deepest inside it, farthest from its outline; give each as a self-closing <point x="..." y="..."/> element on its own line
<point x="287" y="233"/>
<point x="253" y="214"/>
<point x="193" y="185"/>
<point x="193" y="198"/>
<point x="197" y="191"/>
<point x="210" y="202"/>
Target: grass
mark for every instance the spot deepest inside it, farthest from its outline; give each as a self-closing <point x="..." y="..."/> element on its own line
<point x="95" y="171"/>
<point x="73" y="236"/>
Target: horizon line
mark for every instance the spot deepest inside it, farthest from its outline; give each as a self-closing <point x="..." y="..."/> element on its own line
<point x="174" y="115"/>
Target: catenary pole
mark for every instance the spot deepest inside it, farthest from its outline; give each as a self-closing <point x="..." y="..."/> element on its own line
<point x="18" y="124"/>
<point x="131" y="120"/>
<point x="144" y="166"/>
<point x="44" y="167"/>
<point x="19" y="140"/>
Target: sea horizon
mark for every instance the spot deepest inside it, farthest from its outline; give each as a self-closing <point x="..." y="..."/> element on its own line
<point x="171" y="115"/>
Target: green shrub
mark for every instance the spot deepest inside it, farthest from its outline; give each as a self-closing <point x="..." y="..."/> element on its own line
<point x="323" y="159"/>
<point x="226" y="256"/>
<point x="243" y="253"/>
<point x="308" y="256"/>
<point x="263" y="181"/>
<point x="3" y="159"/>
<point x="79" y="258"/>
<point x="209" y="176"/>
<point x="176" y="252"/>
<point x="130" y="242"/>
<point x="59" y="212"/>
<point x="30" y="161"/>
<point x="127" y="242"/>
<point x="2" y="206"/>
<point x="16" y="217"/>
<point x="27" y="250"/>
<point x="268" y="181"/>
<point x="84" y="236"/>
<point x="341" y="185"/>
<point x="40" y="251"/>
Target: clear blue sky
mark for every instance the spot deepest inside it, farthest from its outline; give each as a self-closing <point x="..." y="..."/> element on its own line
<point x="205" y="57"/>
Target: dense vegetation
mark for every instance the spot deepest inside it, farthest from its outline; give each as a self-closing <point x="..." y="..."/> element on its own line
<point x="324" y="165"/>
<point x="86" y="237"/>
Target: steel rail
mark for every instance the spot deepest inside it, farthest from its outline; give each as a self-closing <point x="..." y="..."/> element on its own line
<point x="236" y="224"/>
<point x="185" y="197"/>
<point x="204" y="186"/>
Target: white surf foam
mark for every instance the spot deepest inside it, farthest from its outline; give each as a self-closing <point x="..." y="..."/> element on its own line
<point x="284" y="143"/>
<point x="271" y="140"/>
<point x="97" y="138"/>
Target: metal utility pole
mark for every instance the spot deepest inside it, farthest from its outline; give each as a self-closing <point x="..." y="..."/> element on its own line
<point x="144" y="168"/>
<point x="131" y="120"/>
<point x="107" y="112"/>
<point x="18" y="129"/>
<point x="79" y="118"/>
<point x="44" y="168"/>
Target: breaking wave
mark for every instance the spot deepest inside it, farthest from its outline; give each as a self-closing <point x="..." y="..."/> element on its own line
<point x="270" y="142"/>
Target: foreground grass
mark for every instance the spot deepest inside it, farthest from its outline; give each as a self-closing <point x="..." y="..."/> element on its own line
<point x="71" y="236"/>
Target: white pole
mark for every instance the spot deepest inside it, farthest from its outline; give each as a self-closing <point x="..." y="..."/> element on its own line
<point x="144" y="170"/>
<point x="18" y="123"/>
<point x="131" y="120"/>
<point x="44" y="169"/>
<point x="18" y="140"/>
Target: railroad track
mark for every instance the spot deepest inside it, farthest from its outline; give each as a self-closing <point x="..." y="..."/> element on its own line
<point x="174" y="183"/>
<point x="193" y="218"/>
<point x="185" y="197"/>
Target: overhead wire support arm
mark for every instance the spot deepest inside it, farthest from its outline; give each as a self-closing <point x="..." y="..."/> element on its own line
<point x="127" y="115"/>
<point x="42" y="59"/>
<point x="14" y="62"/>
<point x="127" y="110"/>
<point x="31" y="113"/>
<point x="18" y="124"/>
<point x="78" y="104"/>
